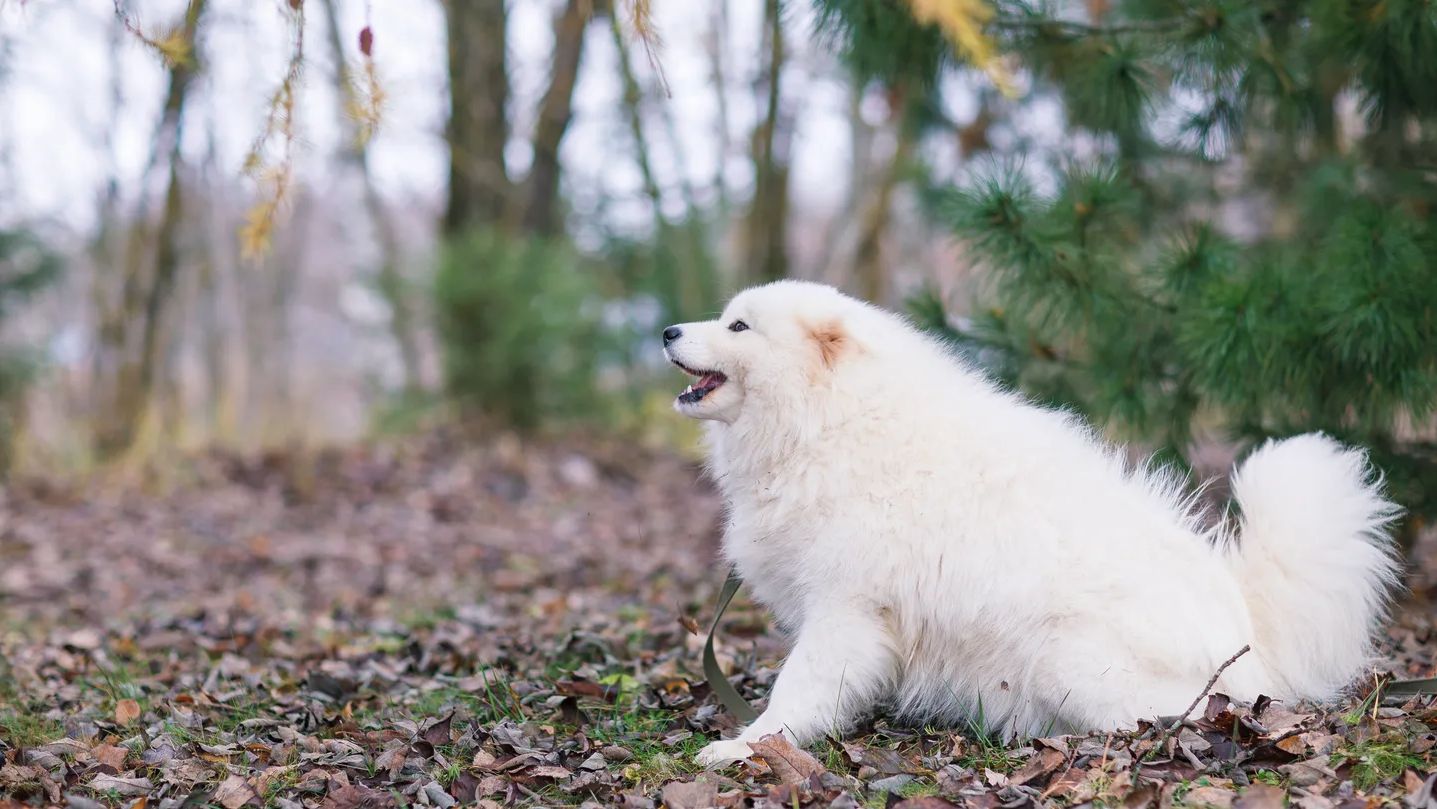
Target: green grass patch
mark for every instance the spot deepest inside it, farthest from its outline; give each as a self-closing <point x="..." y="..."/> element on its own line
<point x="1374" y="761"/>
<point x="496" y="702"/>
<point x="23" y="728"/>
<point x="426" y="619"/>
<point x="984" y="751"/>
<point x="1269" y="777"/>
<point x="449" y="774"/>
<point x="641" y="732"/>
<point x="918" y="789"/>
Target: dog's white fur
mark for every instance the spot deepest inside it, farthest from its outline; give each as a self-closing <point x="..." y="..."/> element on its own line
<point x="952" y="552"/>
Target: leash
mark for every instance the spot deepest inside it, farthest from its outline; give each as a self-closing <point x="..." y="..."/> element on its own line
<point x="718" y="683"/>
<point x="1409" y="688"/>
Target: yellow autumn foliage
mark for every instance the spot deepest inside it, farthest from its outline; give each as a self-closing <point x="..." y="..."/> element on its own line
<point x="962" y="22"/>
<point x="173" y="47"/>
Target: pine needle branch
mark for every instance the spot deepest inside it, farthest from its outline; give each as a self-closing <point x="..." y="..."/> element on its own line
<point x="1085" y="29"/>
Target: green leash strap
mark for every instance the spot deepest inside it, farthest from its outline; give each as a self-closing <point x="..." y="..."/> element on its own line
<point x="1408" y="688"/>
<point x="718" y="683"/>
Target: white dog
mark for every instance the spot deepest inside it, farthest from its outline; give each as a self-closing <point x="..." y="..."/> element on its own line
<point x="949" y="550"/>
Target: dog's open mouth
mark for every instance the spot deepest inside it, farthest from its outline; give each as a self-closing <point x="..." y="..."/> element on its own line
<point x="709" y="381"/>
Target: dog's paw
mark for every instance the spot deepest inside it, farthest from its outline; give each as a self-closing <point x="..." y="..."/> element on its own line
<point x="722" y="754"/>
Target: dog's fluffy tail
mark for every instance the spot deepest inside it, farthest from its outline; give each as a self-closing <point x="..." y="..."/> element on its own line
<point x="1316" y="561"/>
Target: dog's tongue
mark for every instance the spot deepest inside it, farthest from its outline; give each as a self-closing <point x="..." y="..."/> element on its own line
<point x="710" y="381"/>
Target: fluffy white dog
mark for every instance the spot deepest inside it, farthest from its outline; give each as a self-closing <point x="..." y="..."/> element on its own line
<point x="950" y="551"/>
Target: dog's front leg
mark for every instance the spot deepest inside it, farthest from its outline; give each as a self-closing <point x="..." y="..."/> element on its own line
<point x="840" y="666"/>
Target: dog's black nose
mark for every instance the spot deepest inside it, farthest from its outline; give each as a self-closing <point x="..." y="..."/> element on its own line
<point x="672" y="333"/>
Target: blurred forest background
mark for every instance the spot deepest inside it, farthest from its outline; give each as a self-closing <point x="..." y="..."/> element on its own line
<point x="303" y="222"/>
<point x="227" y="224"/>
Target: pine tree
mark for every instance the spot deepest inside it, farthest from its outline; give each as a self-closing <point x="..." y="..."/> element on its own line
<point x="1252" y="249"/>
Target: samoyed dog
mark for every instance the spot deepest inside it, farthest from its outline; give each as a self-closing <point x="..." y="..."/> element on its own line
<point x="943" y="549"/>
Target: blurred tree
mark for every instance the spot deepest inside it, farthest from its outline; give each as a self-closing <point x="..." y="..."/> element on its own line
<point x="26" y="265"/>
<point x="523" y="336"/>
<point x="891" y="54"/>
<point x="479" y="186"/>
<point x="767" y="225"/>
<point x="555" y="110"/>
<point x="355" y="153"/>
<point x="507" y="252"/>
<point x="481" y="193"/>
<point x="869" y="265"/>
<point x="1255" y="246"/>
<point x="681" y="269"/>
<point x="132" y="323"/>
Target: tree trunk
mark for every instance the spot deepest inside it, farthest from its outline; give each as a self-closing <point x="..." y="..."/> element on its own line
<point x="555" y="111"/>
<point x="478" y="98"/>
<point x="391" y="280"/>
<point x="836" y="240"/>
<point x="632" y="115"/>
<point x="147" y="294"/>
<point x="869" y="269"/>
<point x="691" y="287"/>
<point x="718" y="76"/>
<point x="768" y="213"/>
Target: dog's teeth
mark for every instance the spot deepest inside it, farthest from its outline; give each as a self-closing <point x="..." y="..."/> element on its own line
<point x="689" y="389"/>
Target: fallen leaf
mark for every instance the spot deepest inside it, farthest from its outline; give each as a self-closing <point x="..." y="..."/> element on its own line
<point x="1293" y="744"/>
<point x="235" y="792"/>
<point x="1215" y="797"/>
<point x="1046" y="761"/>
<point x="1260" y="796"/>
<point x="1411" y="782"/>
<point x="491" y="785"/>
<point x="126" y="711"/>
<point x="358" y="797"/>
<point x="1424" y="797"/>
<point x="790" y="765"/>
<point x="438" y="733"/>
<point x="926" y="802"/>
<point x="1311" y="771"/>
<point x="697" y="794"/>
<point x="110" y="756"/>
<point x="882" y="760"/>
<point x="124" y="787"/>
<point x="893" y="784"/>
<point x="1143" y="796"/>
<point x="437" y="796"/>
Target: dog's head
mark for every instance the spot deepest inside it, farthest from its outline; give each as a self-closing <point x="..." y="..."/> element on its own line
<point x="772" y="346"/>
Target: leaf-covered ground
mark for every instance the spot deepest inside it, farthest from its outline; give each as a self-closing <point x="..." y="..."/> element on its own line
<point x="448" y="623"/>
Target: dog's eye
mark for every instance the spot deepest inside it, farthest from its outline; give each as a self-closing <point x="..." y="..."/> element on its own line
<point x="738" y="325"/>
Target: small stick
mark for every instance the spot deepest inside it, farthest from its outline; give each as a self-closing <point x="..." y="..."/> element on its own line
<point x="1177" y="723"/>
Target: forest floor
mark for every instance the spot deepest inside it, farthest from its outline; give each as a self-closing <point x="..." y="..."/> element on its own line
<point x="447" y="623"/>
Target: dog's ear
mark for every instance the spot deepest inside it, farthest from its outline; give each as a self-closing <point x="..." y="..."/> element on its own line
<point x="832" y="341"/>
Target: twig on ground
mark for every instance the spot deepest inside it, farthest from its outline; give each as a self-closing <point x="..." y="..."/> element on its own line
<point x="1183" y="717"/>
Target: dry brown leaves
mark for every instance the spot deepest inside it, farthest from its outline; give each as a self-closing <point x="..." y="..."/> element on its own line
<point x="501" y="624"/>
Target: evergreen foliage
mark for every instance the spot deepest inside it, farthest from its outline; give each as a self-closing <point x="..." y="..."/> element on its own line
<point x="26" y="266"/>
<point x="521" y="328"/>
<point x="1240" y="253"/>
